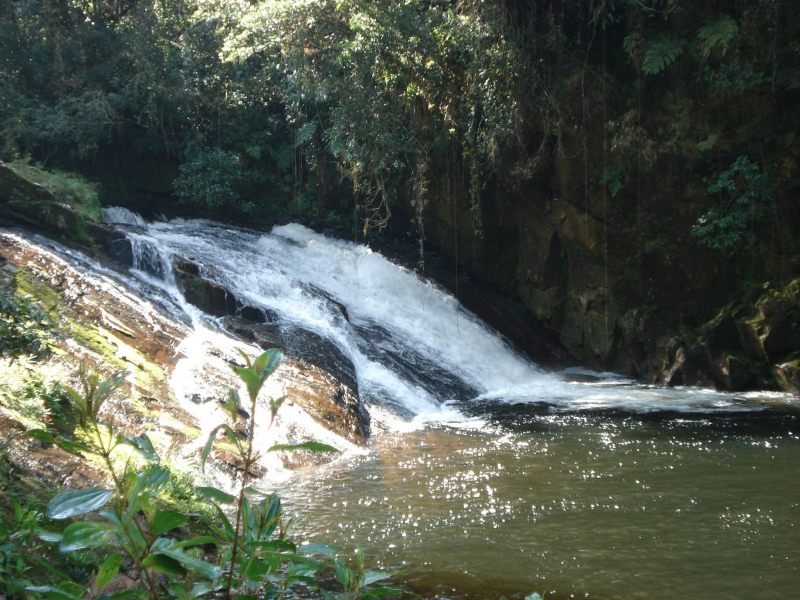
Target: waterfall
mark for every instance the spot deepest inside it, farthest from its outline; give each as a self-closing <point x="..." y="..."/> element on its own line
<point x="411" y="350"/>
<point x="122" y="216"/>
<point x="411" y="346"/>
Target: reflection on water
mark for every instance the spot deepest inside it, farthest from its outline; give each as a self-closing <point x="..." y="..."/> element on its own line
<point x="594" y="504"/>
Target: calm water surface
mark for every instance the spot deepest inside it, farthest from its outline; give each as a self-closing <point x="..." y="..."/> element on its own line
<point x="590" y="503"/>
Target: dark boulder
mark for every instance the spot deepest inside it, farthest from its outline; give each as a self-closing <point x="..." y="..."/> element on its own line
<point x="14" y="188"/>
<point x="205" y="295"/>
<point x="114" y="242"/>
<point x="52" y="216"/>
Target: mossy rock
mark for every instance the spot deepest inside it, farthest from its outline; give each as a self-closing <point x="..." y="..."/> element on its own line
<point x="788" y="375"/>
<point x="53" y="216"/>
<point x="14" y="187"/>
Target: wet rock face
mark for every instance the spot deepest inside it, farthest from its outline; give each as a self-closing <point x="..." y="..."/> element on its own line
<point x="326" y="385"/>
<point x="35" y="205"/>
<point x="205" y="295"/>
<point x="568" y="264"/>
<point x="177" y="376"/>
<point x="746" y="346"/>
<point x="115" y="243"/>
<point x="14" y="188"/>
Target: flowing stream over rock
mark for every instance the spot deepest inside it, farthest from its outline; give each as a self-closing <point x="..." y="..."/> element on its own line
<point x="485" y="474"/>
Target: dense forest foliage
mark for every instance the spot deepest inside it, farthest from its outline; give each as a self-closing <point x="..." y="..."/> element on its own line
<point x="593" y="158"/>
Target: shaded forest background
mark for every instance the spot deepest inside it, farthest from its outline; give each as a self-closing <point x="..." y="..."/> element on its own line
<point x="625" y="170"/>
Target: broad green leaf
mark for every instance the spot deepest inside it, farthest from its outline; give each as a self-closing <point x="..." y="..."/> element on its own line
<point x="371" y="577"/>
<point x="77" y="502"/>
<point x="143" y="445"/>
<point x="248" y="363"/>
<point x="274" y="545"/>
<point x="309" y="446"/>
<point x="251" y="380"/>
<point x="42" y="436"/>
<point x="306" y="579"/>
<point x="48" y="536"/>
<point x="154" y="478"/>
<point x="177" y="591"/>
<point x="233" y="405"/>
<point x="360" y="559"/>
<point x="197" y="541"/>
<point x="266" y="364"/>
<point x="163" y="564"/>
<point x="111" y="516"/>
<point x="134" y="594"/>
<point x="86" y="535"/>
<point x="226" y="524"/>
<point x="251" y="491"/>
<point x="203" y="588"/>
<point x="168" y="519"/>
<point x="145" y="485"/>
<point x="215" y="495"/>
<point x="201" y="567"/>
<point x="151" y="480"/>
<point x="342" y="573"/>
<point x="108" y="570"/>
<point x="72" y="446"/>
<point x="53" y="592"/>
<point x="209" y="443"/>
<point x="256" y="569"/>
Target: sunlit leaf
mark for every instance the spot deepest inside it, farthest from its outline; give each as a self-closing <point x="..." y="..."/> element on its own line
<point x="108" y="570"/>
<point x="86" y="535"/>
<point x="77" y="502"/>
<point x="163" y="564"/>
<point x="213" y="494"/>
<point x="163" y="546"/>
<point x="168" y="519"/>
<point x="143" y="445"/>
<point x="201" y="540"/>
<point x="308" y="446"/>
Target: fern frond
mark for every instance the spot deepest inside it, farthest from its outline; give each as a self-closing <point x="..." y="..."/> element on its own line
<point x="282" y="155"/>
<point x="253" y="151"/>
<point x="717" y="33"/>
<point x="305" y="133"/>
<point x="661" y="53"/>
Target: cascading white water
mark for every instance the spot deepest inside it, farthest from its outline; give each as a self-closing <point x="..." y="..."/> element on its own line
<point x="550" y="495"/>
<point x="122" y="216"/>
<point x="412" y="346"/>
<point x="410" y="343"/>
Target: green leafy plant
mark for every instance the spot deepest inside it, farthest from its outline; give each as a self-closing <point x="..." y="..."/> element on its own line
<point x="357" y="585"/>
<point x="743" y="193"/>
<point x="209" y="179"/>
<point x="67" y="188"/>
<point x="252" y="554"/>
<point x="661" y="53"/>
<point x="717" y="33"/>
<point x="25" y="329"/>
<point x="20" y="546"/>
<point x="614" y="177"/>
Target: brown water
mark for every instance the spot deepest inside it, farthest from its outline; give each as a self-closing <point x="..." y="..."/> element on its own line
<point x="590" y="504"/>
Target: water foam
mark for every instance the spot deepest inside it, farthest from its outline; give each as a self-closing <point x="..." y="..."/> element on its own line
<point x="413" y="347"/>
